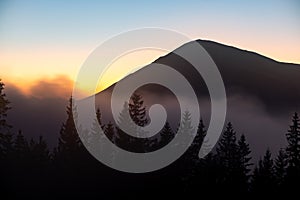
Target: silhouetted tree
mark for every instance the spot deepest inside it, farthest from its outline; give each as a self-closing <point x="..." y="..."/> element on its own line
<point x="280" y="167"/>
<point x="6" y="143"/>
<point x="69" y="142"/>
<point x="184" y="163"/>
<point x="39" y="152"/>
<point x="198" y="141"/>
<point x="21" y="147"/>
<point x="195" y="166"/>
<point x="293" y="154"/>
<point x="201" y="133"/>
<point x="99" y="117"/>
<point x="227" y="153"/>
<point x="293" y="138"/>
<point x="39" y="158"/>
<point x="191" y="157"/>
<point x="21" y="154"/>
<point x="137" y="110"/>
<point x="138" y="115"/>
<point x="123" y="138"/>
<point x="186" y="128"/>
<point x="6" y="140"/>
<point x="124" y="121"/>
<point x="227" y="149"/>
<point x="234" y="160"/>
<point x="97" y="131"/>
<point x="263" y="180"/>
<point x="4" y="108"/>
<point x="109" y="131"/>
<point x="244" y="161"/>
<point x="166" y="134"/>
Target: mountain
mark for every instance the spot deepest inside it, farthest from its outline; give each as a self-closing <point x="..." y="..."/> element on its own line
<point x="261" y="93"/>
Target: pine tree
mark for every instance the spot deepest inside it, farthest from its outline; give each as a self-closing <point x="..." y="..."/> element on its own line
<point x="244" y="168"/>
<point x="186" y="128"/>
<point x="233" y="159"/>
<point x="201" y="133"/>
<point x="293" y="139"/>
<point x="97" y="133"/>
<point x="6" y="146"/>
<point x="99" y="117"/>
<point x="192" y="153"/>
<point x="6" y="138"/>
<point x="123" y="139"/>
<point x="227" y="149"/>
<point x="138" y="110"/>
<point x="198" y="142"/>
<point x="267" y="165"/>
<point x="4" y="108"/>
<point x="293" y="155"/>
<point x="69" y="142"/>
<point x="166" y="134"/>
<point x="195" y="166"/>
<point x="21" y="147"/>
<point x="21" y="153"/>
<point x="263" y="181"/>
<point x="39" y="152"/>
<point x="124" y="120"/>
<point x="280" y="167"/>
<point x="110" y="133"/>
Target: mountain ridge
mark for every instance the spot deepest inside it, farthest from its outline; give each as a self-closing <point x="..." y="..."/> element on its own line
<point x="246" y="51"/>
<point x="262" y="93"/>
<point x="214" y="43"/>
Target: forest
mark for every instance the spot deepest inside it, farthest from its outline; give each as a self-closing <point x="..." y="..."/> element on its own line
<point x="29" y="167"/>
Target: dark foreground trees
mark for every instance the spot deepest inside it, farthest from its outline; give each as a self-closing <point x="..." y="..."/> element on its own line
<point x="29" y="167"/>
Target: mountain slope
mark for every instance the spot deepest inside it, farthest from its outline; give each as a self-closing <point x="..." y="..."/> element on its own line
<point x="261" y="92"/>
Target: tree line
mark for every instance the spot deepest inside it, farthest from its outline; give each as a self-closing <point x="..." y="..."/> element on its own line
<point x="28" y="165"/>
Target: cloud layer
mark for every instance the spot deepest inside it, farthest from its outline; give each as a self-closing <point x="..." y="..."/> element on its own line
<point x="41" y="111"/>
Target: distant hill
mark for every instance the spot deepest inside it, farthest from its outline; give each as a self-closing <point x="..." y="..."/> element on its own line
<point x="262" y="93"/>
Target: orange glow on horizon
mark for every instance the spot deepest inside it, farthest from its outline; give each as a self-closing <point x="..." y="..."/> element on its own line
<point x="25" y="69"/>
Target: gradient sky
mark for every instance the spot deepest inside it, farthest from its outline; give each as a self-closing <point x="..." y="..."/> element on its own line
<point x="42" y="39"/>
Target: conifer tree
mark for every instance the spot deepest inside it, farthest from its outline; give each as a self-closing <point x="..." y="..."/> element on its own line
<point x="234" y="160"/>
<point x="186" y="128"/>
<point x="124" y="119"/>
<point x="6" y="137"/>
<point x="138" y="110"/>
<point x="293" y="139"/>
<point x="96" y="135"/>
<point x="293" y="155"/>
<point x="227" y="149"/>
<point x="110" y="133"/>
<point x="4" y="108"/>
<point x="21" y="147"/>
<point x="166" y="134"/>
<point x="69" y="142"/>
<point x="21" y="154"/>
<point x="280" y="167"/>
<point x="201" y="133"/>
<point x="244" y="163"/>
<point x="198" y="141"/>
<point x="39" y="152"/>
<point x="123" y="139"/>
<point x="263" y="180"/>
<point x="99" y="117"/>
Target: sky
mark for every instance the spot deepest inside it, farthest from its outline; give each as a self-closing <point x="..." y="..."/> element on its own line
<point x="43" y="40"/>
